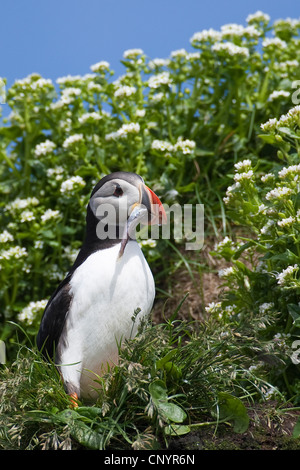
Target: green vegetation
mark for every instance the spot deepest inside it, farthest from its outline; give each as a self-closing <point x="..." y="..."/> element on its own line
<point x="218" y="126"/>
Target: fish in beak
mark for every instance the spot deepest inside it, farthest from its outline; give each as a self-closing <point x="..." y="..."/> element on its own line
<point x="147" y="211"/>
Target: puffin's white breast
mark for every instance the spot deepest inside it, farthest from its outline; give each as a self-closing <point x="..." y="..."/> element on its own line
<point x="105" y="293"/>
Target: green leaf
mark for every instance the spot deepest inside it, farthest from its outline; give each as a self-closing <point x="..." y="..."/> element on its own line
<point x="161" y="362"/>
<point x="296" y="430"/>
<point x="232" y="409"/>
<point x="158" y="390"/>
<point x="85" y="435"/>
<point x="172" y="412"/>
<point x="173" y="371"/>
<point x="294" y="311"/>
<point x="177" y="430"/>
<point x="269" y="138"/>
<point x="159" y="396"/>
<point x="289" y="132"/>
<point x="87" y="170"/>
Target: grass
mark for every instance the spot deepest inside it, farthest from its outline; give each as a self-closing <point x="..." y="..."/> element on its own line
<point x="171" y="379"/>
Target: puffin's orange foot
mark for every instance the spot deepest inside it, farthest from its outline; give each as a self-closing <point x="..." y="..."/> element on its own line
<point x="74" y="400"/>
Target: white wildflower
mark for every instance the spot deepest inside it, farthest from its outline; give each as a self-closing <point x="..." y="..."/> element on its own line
<point x="269" y="125"/>
<point x="71" y="184"/>
<point x="192" y="56"/>
<point x="100" y="66"/>
<point x="15" y="252"/>
<point x="247" y="175"/>
<point x="162" y="146"/>
<point x="225" y="243"/>
<point x="150" y="243"/>
<point x="206" y="35"/>
<point x="71" y="253"/>
<point x="265" y="230"/>
<point x="287" y="22"/>
<point x="157" y="97"/>
<point x="231" y="49"/>
<point x="94" y="87"/>
<point x="290" y="171"/>
<point x="185" y="146"/>
<point x="57" y="172"/>
<point x="140" y="112"/>
<point x="226" y="272"/>
<point x="262" y="209"/>
<point x="213" y="307"/>
<point x="281" y="341"/>
<point x="266" y="307"/>
<point x="286" y="275"/>
<point x="92" y="117"/>
<point x="179" y="53"/>
<point x="154" y="63"/>
<point x="286" y="222"/>
<point x="278" y="193"/>
<point x="274" y="43"/>
<point x="270" y="393"/>
<point x="267" y="177"/>
<point x="41" y="83"/>
<point x="71" y="140"/>
<point x="278" y="94"/>
<point x="44" y="148"/>
<point x="155" y="81"/>
<point x="245" y="164"/>
<point x="132" y="53"/>
<point x="29" y="313"/>
<point x="6" y="237"/>
<point x="130" y="128"/>
<point x="54" y="273"/>
<point x="229" y="192"/>
<point x="238" y="30"/>
<point x="291" y="118"/>
<point x="50" y="214"/>
<point x="68" y="79"/>
<point x="27" y="216"/>
<point x="20" y="204"/>
<point x="258" y="17"/>
<point x="38" y="244"/>
<point x="71" y="92"/>
<point x="125" y="91"/>
<point x="67" y="97"/>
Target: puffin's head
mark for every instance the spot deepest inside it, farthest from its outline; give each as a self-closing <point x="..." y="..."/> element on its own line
<point x="120" y="196"/>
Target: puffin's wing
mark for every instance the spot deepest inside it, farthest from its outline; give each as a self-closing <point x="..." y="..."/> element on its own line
<point x="54" y="318"/>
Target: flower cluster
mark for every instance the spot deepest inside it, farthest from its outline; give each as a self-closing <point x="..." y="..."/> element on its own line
<point x="101" y="66"/>
<point x="231" y="49"/>
<point x="72" y="140"/>
<point x="72" y="184"/>
<point x="13" y="253"/>
<point x="124" y="131"/>
<point x="44" y="148"/>
<point x="187" y="146"/>
<point x="29" y="314"/>
<point x="159" y="80"/>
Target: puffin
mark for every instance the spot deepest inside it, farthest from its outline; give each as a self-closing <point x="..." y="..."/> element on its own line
<point x="93" y="310"/>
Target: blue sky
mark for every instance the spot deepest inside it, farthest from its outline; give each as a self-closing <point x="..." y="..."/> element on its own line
<point x="61" y="37"/>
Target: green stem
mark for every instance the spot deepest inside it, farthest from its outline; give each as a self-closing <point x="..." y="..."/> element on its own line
<point x="27" y="143"/>
<point x="10" y="163"/>
<point x="209" y="423"/>
<point x="15" y="288"/>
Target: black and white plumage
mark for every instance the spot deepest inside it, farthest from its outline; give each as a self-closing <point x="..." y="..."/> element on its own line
<point x="91" y="310"/>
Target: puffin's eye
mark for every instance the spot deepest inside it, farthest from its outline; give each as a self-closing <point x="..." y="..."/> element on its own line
<point x="118" y="191"/>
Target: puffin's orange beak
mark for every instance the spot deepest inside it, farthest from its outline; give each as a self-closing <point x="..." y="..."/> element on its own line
<point x="157" y="213"/>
